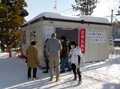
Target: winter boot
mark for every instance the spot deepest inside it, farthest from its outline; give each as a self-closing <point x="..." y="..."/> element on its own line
<point x="36" y="78"/>
<point x="80" y="80"/>
<point x="75" y="77"/>
<point x="62" y="71"/>
<point x="58" y="79"/>
<point x="51" y="78"/>
<point x="46" y="71"/>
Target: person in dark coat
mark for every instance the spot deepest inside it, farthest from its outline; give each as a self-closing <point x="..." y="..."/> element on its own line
<point x="33" y="60"/>
<point x="64" y="55"/>
<point x="46" y="59"/>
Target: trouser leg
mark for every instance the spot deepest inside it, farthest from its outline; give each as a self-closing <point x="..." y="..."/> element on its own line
<point x="34" y="72"/>
<point x="47" y="65"/>
<point x="74" y="71"/>
<point x="68" y="64"/>
<point x="57" y="66"/>
<point x="79" y="74"/>
<point x="29" y="72"/>
<point x="63" y="64"/>
<point x="51" y="64"/>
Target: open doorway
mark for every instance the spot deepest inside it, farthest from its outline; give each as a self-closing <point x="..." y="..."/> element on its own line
<point x="70" y="34"/>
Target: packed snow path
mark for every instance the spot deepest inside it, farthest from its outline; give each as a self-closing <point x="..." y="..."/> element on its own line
<point x="100" y="75"/>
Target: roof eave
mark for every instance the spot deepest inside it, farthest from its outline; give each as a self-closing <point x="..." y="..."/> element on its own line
<point x="64" y="20"/>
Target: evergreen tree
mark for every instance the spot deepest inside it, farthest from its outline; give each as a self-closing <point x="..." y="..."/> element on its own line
<point x="12" y="15"/>
<point x="85" y="7"/>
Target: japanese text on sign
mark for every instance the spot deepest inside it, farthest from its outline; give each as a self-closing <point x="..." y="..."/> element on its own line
<point x="82" y="37"/>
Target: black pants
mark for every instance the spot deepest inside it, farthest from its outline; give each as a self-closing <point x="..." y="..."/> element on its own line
<point x="76" y="69"/>
<point x="34" y="72"/>
<point x="47" y="63"/>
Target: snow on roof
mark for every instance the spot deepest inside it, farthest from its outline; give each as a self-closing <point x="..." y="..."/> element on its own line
<point x="117" y="39"/>
<point x="69" y="17"/>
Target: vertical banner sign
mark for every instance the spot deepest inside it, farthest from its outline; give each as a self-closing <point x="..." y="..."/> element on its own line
<point x="82" y="39"/>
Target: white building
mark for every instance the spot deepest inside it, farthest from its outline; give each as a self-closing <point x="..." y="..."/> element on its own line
<point x="92" y="33"/>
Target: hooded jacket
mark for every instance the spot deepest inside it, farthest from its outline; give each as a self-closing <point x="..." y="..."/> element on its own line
<point x="76" y="56"/>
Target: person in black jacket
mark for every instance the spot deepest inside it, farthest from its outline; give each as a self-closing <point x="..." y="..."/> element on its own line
<point x="46" y="59"/>
<point x="64" y="55"/>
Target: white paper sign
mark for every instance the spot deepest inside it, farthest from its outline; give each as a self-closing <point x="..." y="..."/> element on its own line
<point x="97" y="34"/>
<point x="49" y="31"/>
<point x="98" y="40"/>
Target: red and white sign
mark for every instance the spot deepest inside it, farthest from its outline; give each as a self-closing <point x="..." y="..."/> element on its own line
<point x="82" y="39"/>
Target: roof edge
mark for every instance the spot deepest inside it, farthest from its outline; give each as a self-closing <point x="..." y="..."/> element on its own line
<point x="43" y="18"/>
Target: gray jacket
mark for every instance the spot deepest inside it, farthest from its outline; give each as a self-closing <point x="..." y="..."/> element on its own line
<point x="53" y="47"/>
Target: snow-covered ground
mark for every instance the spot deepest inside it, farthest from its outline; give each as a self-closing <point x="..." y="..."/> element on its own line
<point x="96" y="75"/>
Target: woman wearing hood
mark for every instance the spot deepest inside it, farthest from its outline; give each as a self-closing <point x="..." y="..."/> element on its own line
<point x="76" y="57"/>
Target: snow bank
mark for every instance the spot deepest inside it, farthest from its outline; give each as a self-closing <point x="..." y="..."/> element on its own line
<point x="6" y="55"/>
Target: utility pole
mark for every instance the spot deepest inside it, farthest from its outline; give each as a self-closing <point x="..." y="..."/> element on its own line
<point x="55" y="5"/>
<point x="111" y="17"/>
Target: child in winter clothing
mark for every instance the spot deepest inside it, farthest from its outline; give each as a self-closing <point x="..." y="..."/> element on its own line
<point x="76" y="57"/>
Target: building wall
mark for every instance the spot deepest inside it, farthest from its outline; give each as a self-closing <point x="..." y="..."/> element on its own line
<point x="38" y="27"/>
<point x="97" y="51"/>
<point x="94" y="51"/>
